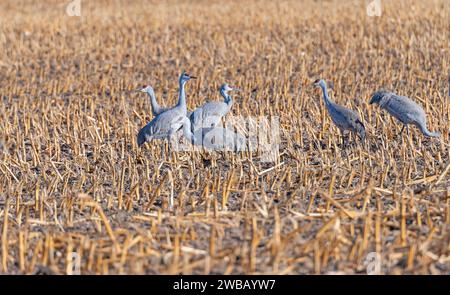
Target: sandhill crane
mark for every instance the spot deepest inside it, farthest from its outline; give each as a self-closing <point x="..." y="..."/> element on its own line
<point x="156" y="109"/>
<point x="211" y="113"/>
<point x="342" y="117"/>
<point x="166" y="124"/>
<point x="404" y="109"/>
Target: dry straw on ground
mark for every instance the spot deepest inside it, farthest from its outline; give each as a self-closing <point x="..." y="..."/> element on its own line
<point x="73" y="180"/>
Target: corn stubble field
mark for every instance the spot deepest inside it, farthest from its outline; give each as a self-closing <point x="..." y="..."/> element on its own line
<point x="72" y="178"/>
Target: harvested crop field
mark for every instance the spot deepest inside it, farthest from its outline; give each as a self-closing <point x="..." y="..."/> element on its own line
<point x="77" y="194"/>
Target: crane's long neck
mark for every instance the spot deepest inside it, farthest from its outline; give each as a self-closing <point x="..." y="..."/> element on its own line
<point x="326" y="98"/>
<point x="182" y="96"/>
<point x="156" y="109"/>
<point x="226" y="98"/>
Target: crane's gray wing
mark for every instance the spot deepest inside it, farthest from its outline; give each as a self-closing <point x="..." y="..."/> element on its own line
<point x="171" y="121"/>
<point x="161" y="126"/>
<point x="354" y="121"/>
<point x="208" y="115"/>
<point x="215" y="108"/>
<point x="150" y="131"/>
<point x="343" y="117"/>
<point x="213" y="112"/>
<point x="404" y="109"/>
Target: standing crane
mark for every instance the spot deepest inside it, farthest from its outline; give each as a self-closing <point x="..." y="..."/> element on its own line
<point x="342" y="117"/>
<point x="167" y="123"/>
<point x="211" y="113"/>
<point x="404" y="109"/>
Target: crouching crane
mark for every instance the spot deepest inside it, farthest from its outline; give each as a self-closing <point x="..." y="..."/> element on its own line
<point x="404" y="109"/>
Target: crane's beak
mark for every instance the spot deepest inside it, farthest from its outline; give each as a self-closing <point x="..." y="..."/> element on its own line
<point x="193" y="77"/>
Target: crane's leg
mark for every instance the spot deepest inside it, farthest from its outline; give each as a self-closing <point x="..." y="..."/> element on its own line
<point x="353" y="137"/>
<point x="163" y="148"/>
<point x="357" y="137"/>
<point x="343" y="139"/>
<point x="407" y="134"/>
<point x="401" y="132"/>
<point x="171" y="139"/>
<point x="403" y="128"/>
<point x="344" y="148"/>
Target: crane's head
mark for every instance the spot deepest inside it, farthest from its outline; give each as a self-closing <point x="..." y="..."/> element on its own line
<point x="184" y="77"/>
<point x="145" y="88"/>
<point x="225" y="88"/>
<point x="377" y="97"/>
<point x="320" y="83"/>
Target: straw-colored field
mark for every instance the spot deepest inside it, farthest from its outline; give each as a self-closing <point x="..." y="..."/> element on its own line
<point x="72" y="178"/>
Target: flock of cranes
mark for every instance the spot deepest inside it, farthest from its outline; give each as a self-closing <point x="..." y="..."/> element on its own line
<point x="200" y="126"/>
<point x="401" y="107"/>
<point x="203" y="123"/>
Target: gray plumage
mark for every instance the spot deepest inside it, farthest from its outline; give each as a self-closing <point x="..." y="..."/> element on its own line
<point x="156" y="109"/>
<point x="211" y="113"/>
<point x="342" y="117"/>
<point x="167" y="123"/>
<point x="404" y="109"/>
